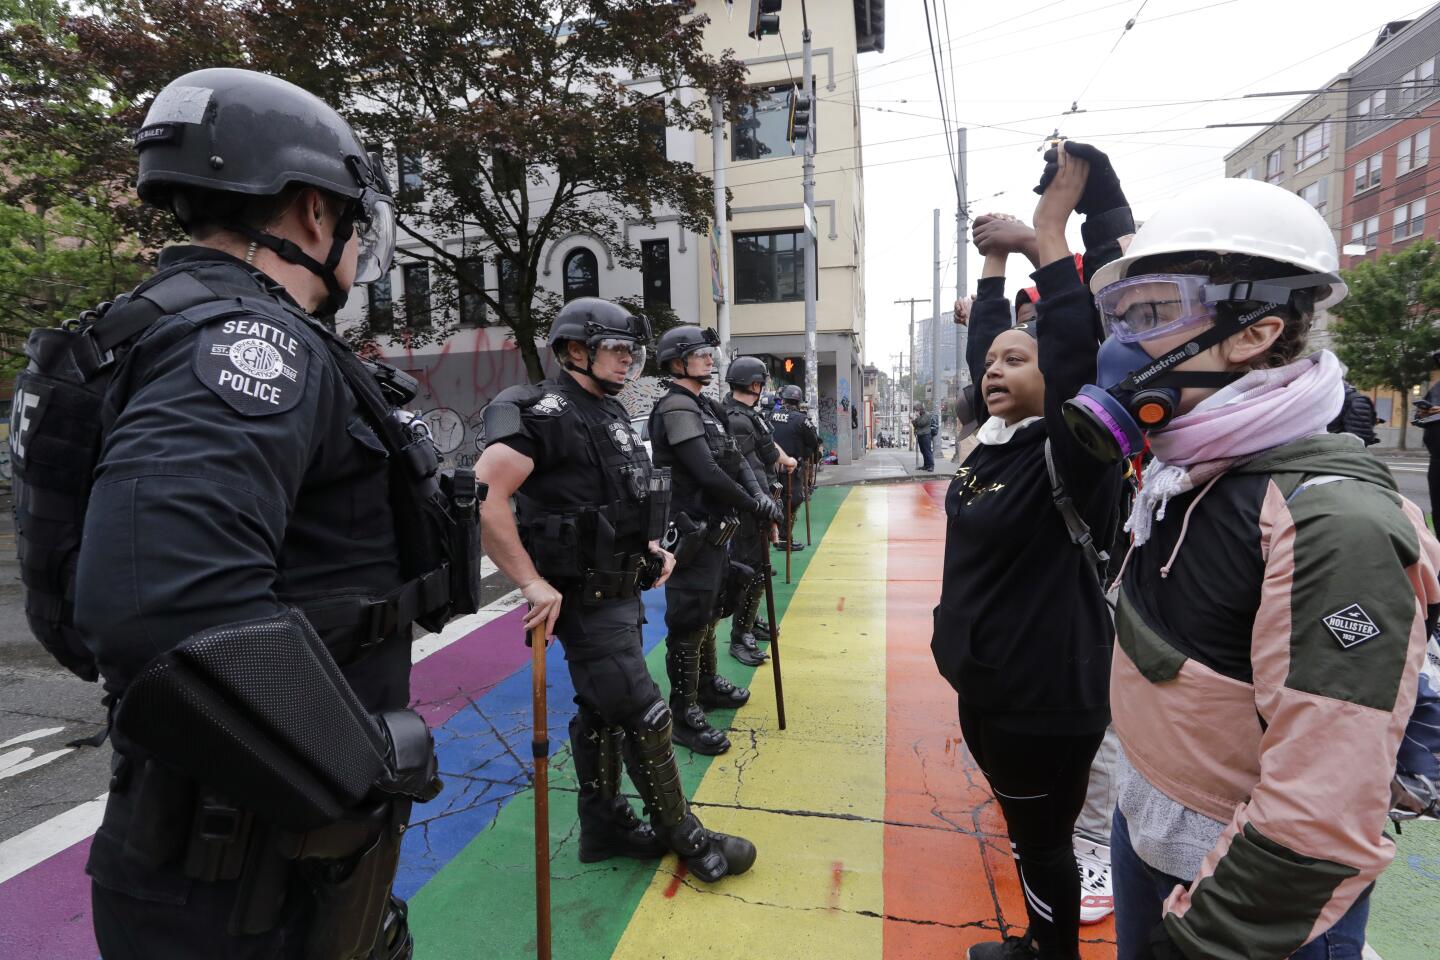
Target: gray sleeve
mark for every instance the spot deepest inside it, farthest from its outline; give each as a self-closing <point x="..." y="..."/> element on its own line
<point x="682" y="425"/>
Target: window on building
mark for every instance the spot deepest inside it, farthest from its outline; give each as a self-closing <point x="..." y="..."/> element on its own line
<point x="1274" y="165"/>
<point x="1367" y="173"/>
<point x="1312" y="146"/>
<point x="509" y="285"/>
<point x="655" y="270"/>
<point x="1366" y="232"/>
<point x="1247" y="174"/>
<point x="582" y="275"/>
<point x="1373" y="105"/>
<point x="760" y="131"/>
<point x="417" y="295"/>
<point x="652" y="130"/>
<point x="412" y="178"/>
<point x="1417" y="83"/>
<point x="1412" y="152"/>
<point x="770" y="267"/>
<point x="1410" y="219"/>
<point x="470" y="280"/>
<point x="1317" y="195"/>
<point x="380" y="310"/>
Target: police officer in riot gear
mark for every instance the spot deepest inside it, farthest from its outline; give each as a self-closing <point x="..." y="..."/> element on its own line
<point x="258" y="517"/>
<point x="793" y="431"/>
<point x="582" y="544"/>
<point x="746" y="377"/>
<point x="713" y="485"/>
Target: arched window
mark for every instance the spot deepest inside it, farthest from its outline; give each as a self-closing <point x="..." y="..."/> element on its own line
<point x="582" y="275"/>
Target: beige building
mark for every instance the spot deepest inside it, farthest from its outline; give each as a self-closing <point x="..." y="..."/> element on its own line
<point x="764" y="238"/>
<point x="765" y="232"/>
<point x="1304" y="152"/>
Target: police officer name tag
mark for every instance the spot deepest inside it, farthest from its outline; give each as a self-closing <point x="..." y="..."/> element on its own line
<point x="258" y="368"/>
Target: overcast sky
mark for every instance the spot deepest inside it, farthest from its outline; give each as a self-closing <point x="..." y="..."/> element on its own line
<point x="1018" y="66"/>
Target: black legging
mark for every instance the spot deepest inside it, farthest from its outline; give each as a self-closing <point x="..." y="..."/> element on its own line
<point x="1433" y="475"/>
<point x="1039" y="781"/>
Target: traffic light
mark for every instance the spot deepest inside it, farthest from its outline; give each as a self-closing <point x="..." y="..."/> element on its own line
<point x="764" y="19"/>
<point x="797" y="127"/>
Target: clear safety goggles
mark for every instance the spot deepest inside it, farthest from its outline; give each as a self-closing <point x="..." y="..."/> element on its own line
<point x="1156" y="305"/>
<point x="1161" y="304"/>
<point x="619" y="347"/>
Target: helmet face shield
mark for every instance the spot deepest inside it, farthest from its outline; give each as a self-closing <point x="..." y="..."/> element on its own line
<point x="376" y="226"/>
<point x="621" y="347"/>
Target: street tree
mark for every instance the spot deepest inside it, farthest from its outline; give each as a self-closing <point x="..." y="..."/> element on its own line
<point x="67" y="231"/>
<point x="509" y="124"/>
<point x="1389" y="325"/>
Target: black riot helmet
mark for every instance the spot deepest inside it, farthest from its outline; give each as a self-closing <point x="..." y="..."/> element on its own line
<point x="681" y="343"/>
<point x="792" y="395"/>
<point x="600" y="325"/>
<point x="215" y="139"/>
<point x="746" y="372"/>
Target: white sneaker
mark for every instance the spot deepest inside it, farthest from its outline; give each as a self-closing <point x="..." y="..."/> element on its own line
<point x="1097" y="900"/>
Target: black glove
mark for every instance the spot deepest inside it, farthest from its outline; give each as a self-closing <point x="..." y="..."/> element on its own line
<point x="411" y="769"/>
<point x="766" y="509"/>
<point x="1102" y="187"/>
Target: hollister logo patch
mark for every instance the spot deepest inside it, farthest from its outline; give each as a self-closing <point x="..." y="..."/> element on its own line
<point x="552" y="405"/>
<point x="621" y="435"/>
<point x="257" y="368"/>
<point x="1351" y="626"/>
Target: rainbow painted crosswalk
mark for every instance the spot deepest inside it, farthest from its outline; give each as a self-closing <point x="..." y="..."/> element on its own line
<point x="877" y="837"/>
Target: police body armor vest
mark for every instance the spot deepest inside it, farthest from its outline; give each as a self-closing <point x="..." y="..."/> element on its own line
<point x="749" y="444"/>
<point x="689" y="496"/>
<point x="57" y="430"/>
<point x="602" y="546"/>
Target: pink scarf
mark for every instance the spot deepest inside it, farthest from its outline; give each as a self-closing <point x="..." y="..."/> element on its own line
<point x="1261" y="410"/>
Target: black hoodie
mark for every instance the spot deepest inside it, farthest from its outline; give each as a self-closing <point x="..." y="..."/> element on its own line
<point x="1022" y="631"/>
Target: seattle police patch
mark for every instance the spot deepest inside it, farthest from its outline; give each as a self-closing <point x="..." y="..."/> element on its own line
<point x="622" y="437"/>
<point x="257" y="367"/>
<point x="552" y="405"/>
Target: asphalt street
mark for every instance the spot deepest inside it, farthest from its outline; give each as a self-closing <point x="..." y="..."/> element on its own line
<point x="44" y="709"/>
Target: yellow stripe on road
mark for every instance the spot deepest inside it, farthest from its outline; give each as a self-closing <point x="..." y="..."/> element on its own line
<point x="812" y="797"/>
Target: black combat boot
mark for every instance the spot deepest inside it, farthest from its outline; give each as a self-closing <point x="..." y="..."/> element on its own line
<point x="707" y="854"/>
<point x="1011" y="948"/>
<point x="715" y="692"/>
<point x="608" y="825"/>
<point x="742" y="639"/>
<point x="682" y="663"/>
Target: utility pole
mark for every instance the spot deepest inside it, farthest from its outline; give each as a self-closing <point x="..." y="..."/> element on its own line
<point x="962" y="276"/>
<point x="910" y="346"/>
<point x="812" y="266"/>
<point x="937" y="362"/>
<point x="722" y="305"/>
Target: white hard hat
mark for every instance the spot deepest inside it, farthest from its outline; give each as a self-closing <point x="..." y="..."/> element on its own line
<point x="1229" y="215"/>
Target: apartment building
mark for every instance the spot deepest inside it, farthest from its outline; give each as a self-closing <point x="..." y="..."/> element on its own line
<point x="1304" y="152"/>
<point x="763" y="233"/>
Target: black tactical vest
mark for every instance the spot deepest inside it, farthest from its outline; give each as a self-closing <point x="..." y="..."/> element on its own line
<point x="689" y="497"/>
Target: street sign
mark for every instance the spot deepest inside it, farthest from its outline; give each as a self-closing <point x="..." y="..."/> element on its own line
<point x="810" y="219"/>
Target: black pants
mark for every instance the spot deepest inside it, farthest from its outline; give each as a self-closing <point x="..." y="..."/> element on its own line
<point x="606" y="656"/>
<point x="1434" y="477"/>
<point x="927" y="452"/>
<point x="1039" y="782"/>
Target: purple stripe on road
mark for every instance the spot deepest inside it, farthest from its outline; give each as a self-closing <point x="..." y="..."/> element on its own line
<point x="47" y="908"/>
<point x="445" y="682"/>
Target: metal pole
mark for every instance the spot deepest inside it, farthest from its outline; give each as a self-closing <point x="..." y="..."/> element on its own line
<point x="812" y="266"/>
<point x="540" y="750"/>
<point x="722" y="309"/>
<point x="937" y="363"/>
<point x="962" y="278"/>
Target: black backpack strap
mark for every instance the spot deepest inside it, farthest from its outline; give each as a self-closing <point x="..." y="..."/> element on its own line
<point x="133" y="315"/>
<point x="1075" y="524"/>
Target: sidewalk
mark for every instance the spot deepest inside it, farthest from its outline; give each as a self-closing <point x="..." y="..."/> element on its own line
<point x="886" y="466"/>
